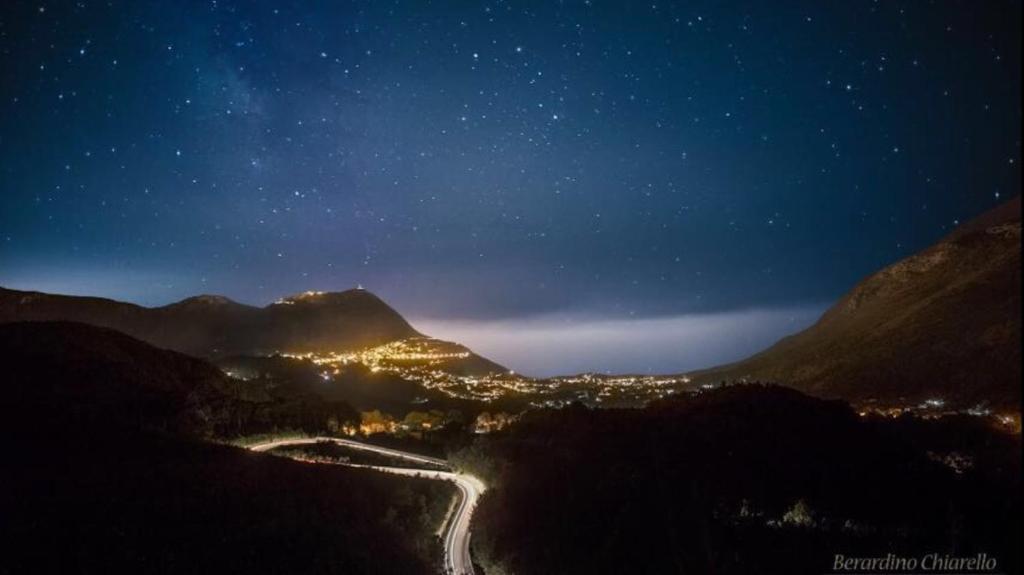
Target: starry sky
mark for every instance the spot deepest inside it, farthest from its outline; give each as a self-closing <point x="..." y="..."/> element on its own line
<point x="488" y="161"/>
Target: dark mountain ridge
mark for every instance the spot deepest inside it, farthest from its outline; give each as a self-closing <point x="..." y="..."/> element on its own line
<point x="211" y="325"/>
<point x="55" y="370"/>
<point x="943" y="323"/>
<point x="111" y="475"/>
<point x="742" y="479"/>
<point x="63" y="371"/>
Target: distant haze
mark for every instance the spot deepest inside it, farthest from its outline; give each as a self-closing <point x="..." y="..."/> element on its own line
<point x="563" y="344"/>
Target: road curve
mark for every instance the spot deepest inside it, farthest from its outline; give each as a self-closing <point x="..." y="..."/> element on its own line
<point x="457" y="560"/>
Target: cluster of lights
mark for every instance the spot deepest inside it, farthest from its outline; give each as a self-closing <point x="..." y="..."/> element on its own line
<point x="427" y="361"/>
<point x="933" y="408"/>
<point x="423" y="351"/>
<point x="304" y="295"/>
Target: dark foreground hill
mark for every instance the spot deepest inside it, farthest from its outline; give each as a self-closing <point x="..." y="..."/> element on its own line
<point x="52" y="369"/>
<point x="104" y="500"/>
<point x="105" y="474"/>
<point x="743" y="480"/>
<point x="943" y="323"/>
<point x="57" y="370"/>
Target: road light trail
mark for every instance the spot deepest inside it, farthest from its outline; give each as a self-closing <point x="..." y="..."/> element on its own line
<point x="457" y="560"/>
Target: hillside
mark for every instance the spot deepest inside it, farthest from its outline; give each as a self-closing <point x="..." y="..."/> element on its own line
<point x="108" y="474"/>
<point x="743" y="480"/>
<point x="63" y="371"/>
<point x="100" y="375"/>
<point x="214" y="325"/>
<point x="943" y="323"/>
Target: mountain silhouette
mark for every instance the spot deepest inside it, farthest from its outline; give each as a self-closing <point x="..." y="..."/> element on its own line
<point x="211" y="325"/>
<point x="943" y="323"/>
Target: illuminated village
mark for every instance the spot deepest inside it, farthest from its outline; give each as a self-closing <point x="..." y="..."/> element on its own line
<point x="440" y="365"/>
<point x="444" y="366"/>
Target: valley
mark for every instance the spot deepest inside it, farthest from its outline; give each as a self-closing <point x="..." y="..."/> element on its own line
<point x="513" y="287"/>
<point x="341" y="381"/>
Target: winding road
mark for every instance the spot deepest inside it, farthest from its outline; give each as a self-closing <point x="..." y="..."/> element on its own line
<point x="457" y="560"/>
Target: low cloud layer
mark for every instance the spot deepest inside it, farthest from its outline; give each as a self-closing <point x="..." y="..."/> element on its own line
<point x="562" y="344"/>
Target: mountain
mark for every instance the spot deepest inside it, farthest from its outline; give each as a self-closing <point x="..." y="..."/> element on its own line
<point x="739" y="480"/>
<point x="944" y="323"/>
<point x="111" y="476"/>
<point x="328" y="321"/>
<point x="63" y="371"/>
<point x="210" y="325"/>
<point x="53" y="370"/>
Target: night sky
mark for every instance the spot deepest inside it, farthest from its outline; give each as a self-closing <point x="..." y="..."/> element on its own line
<point x="497" y="161"/>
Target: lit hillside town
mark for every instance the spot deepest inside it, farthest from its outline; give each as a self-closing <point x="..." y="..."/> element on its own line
<point x="448" y="367"/>
<point x="455" y="371"/>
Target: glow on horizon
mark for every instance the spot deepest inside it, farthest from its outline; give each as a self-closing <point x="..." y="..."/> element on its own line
<point x="566" y="344"/>
<point x="536" y="345"/>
